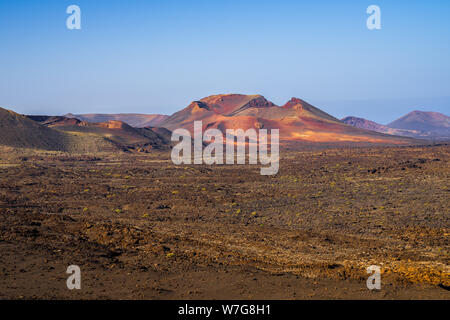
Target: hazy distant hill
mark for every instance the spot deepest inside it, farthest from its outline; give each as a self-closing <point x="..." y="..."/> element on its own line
<point x="433" y="123"/>
<point x="54" y="121"/>
<point x="370" y="125"/>
<point x="417" y="124"/>
<point x="365" y="124"/>
<point x="132" y="119"/>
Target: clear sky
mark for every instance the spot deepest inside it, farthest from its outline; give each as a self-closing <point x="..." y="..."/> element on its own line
<point x="157" y="56"/>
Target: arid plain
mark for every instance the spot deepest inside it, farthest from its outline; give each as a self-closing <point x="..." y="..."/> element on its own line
<point x="140" y="227"/>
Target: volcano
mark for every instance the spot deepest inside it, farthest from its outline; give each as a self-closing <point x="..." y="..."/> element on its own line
<point x="297" y="120"/>
<point x="432" y="124"/>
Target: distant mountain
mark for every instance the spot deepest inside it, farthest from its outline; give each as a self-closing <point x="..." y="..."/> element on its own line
<point x="433" y="123"/>
<point x="365" y="124"/>
<point x="54" y="121"/>
<point x="297" y="120"/>
<point x="417" y="124"/>
<point x="373" y="126"/>
<point x="133" y="119"/>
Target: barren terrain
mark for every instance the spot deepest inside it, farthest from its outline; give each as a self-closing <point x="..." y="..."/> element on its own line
<point x="140" y="227"/>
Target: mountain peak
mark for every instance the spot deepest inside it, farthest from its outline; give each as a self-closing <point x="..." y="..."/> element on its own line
<point x="198" y="106"/>
<point x="422" y="120"/>
<point x="230" y="104"/>
<point x="293" y="102"/>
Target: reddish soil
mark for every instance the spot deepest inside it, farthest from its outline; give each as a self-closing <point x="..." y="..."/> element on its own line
<point x="140" y="227"/>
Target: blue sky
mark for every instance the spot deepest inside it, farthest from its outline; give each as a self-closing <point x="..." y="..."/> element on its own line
<point x="157" y="56"/>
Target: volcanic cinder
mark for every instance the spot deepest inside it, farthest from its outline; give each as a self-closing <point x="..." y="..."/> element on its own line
<point x="297" y="120"/>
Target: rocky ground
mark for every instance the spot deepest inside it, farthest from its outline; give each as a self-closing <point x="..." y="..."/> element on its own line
<point x="140" y="227"/>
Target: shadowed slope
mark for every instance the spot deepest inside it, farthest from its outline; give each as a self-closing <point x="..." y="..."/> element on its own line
<point x="19" y="131"/>
<point x="118" y="133"/>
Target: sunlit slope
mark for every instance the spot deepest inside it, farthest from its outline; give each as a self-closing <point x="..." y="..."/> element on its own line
<point x="296" y="120"/>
